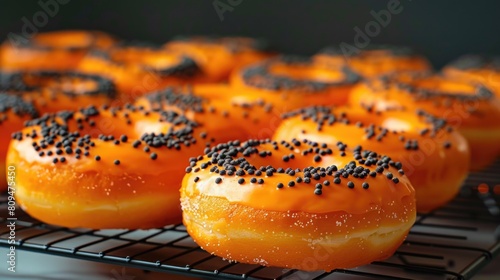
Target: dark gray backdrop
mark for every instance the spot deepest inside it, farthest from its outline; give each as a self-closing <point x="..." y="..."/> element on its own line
<point x="440" y="29"/>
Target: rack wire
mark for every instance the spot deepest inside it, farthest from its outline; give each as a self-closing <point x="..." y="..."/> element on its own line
<point x="452" y="242"/>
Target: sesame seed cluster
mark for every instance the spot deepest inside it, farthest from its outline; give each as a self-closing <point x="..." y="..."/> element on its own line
<point x="234" y="159"/>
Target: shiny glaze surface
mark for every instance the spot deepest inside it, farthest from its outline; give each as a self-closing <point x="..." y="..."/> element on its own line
<point x="431" y="152"/>
<point x="300" y="197"/>
<point x="485" y="70"/>
<point x="297" y="81"/>
<point x="53" y="91"/>
<point x="218" y="57"/>
<point x="59" y="50"/>
<point x="219" y="109"/>
<point x="141" y="69"/>
<point x="371" y="63"/>
<point x="112" y="163"/>
<point x="468" y="106"/>
<point x="13" y="113"/>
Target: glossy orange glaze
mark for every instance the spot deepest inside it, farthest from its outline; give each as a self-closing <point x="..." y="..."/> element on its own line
<point x="13" y="113"/>
<point x="354" y="225"/>
<point x="139" y="192"/>
<point x="371" y="63"/>
<point x="55" y="91"/>
<point x="218" y="108"/>
<point x="476" y="69"/>
<point x="218" y="57"/>
<point x="435" y="169"/>
<point x="469" y="107"/>
<point x="59" y="50"/>
<point x="138" y="70"/>
<point x="297" y="81"/>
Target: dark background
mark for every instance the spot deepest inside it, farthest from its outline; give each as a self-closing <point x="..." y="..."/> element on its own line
<point x="440" y="29"/>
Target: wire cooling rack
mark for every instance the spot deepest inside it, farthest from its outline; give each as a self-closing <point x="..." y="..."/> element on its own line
<point x="453" y="242"/>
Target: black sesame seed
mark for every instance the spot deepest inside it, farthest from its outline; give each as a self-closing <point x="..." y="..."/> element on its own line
<point x="350" y="184"/>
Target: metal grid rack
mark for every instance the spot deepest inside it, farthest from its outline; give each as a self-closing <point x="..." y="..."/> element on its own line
<point x="453" y="242"/>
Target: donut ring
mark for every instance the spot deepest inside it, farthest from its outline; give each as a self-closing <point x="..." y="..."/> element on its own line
<point x="260" y="202"/>
<point x="470" y="107"/>
<point x="217" y="108"/>
<point x="58" y="51"/>
<point x="13" y="113"/>
<point x="114" y="164"/>
<point x="433" y="153"/>
<point x="375" y="60"/>
<point x="51" y="91"/>
<point x="219" y="56"/>
<point x="475" y="68"/>
<point x="140" y="68"/>
<point x="298" y="81"/>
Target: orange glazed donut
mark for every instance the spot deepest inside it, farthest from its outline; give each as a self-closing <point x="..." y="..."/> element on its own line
<point x="436" y="158"/>
<point x="485" y="70"/>
<point x="219" y="56"/>
<point x="376" y="60"/>
<point x="216" y="107"/>
<point x="140" y="68"/>
<point x="55" y="91"/>
<point x="59" y="50"/>
<point x="283" y="204"/>
<point x="297" y="81"/>
<point x="13" y="113"/>
<point x="104" y="168"/>
<point x="470" y="107"/>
